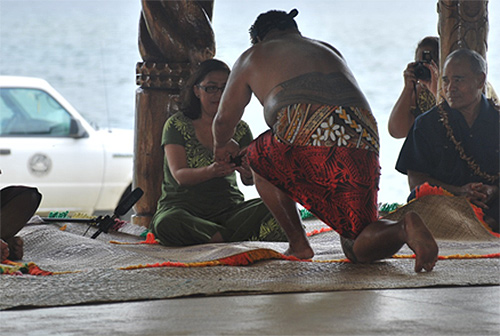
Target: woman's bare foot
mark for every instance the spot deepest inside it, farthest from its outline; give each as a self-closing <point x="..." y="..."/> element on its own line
<point x="420" y="241"/>
<point x="16" y="250"/>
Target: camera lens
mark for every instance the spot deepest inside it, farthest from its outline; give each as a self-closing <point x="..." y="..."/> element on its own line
<point x="422" y="72"/>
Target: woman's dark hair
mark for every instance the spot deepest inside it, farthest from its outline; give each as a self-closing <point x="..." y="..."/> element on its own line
<point x="272" y="20"/>
<point x="431" y="42"/>
<point x="190" y="104"/>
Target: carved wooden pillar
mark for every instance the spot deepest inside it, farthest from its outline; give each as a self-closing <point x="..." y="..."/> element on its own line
<point x="462" y="24"/>
<point x="173" y="36"/>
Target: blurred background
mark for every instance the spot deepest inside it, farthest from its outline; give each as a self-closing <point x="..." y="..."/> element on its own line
<point x="88" y="50"/>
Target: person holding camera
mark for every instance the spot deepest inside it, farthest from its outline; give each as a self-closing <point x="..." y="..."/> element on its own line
<point x="420" y="92"/>
<point x="420" y="89"/>
<point x="201" y="201"/>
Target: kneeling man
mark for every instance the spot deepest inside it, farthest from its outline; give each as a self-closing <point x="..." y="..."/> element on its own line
<point x="322" y="147"/>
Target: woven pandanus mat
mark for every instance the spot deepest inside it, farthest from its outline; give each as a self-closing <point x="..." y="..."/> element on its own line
<point x="98" y="275"/>
<point x="447" y="217"/>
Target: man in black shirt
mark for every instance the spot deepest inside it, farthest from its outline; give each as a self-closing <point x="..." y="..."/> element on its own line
<point x="456" y="144"/>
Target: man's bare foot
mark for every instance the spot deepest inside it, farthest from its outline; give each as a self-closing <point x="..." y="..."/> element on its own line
<point x="304" y="251"/>
<point x="420" y="241"/>
<point x="16" y="250"/>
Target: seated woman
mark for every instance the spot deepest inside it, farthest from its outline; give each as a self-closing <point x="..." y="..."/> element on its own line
<point x="200" y="201"/>
<point x="17" y="205"/>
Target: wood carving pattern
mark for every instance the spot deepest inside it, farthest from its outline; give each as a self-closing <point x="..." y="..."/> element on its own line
<point x="173" y="35"/>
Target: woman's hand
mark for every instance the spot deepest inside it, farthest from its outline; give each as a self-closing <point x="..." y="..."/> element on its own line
<point x="221" y="169"/>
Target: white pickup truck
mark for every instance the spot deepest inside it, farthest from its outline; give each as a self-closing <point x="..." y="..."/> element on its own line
<point x="46" y="143"/>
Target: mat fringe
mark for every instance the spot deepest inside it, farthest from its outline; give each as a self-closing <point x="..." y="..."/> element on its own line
<point x="9" y="267"/>
<point x="240" y="259"/>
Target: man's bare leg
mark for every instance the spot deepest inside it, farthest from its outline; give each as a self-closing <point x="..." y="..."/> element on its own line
<point x="383" y="238"/>
<point x="284" y="209"/>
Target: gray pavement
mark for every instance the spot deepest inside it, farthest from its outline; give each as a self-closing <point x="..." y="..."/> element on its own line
<point x="427" y="311"/>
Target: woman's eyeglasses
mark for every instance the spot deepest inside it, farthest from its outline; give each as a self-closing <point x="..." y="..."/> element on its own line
<point x="211" y="88"/>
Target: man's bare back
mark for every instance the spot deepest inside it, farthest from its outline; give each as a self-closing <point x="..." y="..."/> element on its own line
<point x="316" y="73"/>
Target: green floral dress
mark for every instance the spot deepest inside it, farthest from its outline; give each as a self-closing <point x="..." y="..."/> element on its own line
<point x="188" y="215"/>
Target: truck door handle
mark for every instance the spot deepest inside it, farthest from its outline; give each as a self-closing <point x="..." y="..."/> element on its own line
<point x="4" y="151"/>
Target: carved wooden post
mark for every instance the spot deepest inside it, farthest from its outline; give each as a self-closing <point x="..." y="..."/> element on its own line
<point x="462" y="24"/>
<point x="173" y="36"/>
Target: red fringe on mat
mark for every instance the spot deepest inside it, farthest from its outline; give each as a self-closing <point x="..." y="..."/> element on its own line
<point x="240" y="259"/>
<point x="15" y="268"/>
<point x="315" y="232"/>
<point x="150" y="239"/>
<point x="453" y="256"/>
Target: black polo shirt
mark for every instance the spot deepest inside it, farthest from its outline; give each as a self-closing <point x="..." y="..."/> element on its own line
<point x="427" y="149"/>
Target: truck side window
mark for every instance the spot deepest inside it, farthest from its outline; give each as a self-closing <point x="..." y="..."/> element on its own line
<point x="32" y="112"/>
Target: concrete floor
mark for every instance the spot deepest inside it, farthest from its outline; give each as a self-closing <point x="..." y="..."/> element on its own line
<point x="428" y="311"/>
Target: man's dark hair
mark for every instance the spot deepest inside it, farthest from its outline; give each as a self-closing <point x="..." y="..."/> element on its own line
<point x="476" y="61"/>
<point x="270" y="20"/>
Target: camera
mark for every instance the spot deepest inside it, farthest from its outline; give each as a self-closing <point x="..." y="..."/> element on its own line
<point x="421" y="71"/>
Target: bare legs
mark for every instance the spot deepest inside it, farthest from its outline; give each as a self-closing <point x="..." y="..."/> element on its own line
<point x="383" y="238"/>
<point x="377" y="241"/>
<point x="284" y="209"/>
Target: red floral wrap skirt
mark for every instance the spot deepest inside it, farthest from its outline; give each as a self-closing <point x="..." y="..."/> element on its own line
<point x="339" y="185"/>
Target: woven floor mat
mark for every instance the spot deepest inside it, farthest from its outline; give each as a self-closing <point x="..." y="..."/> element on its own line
<point x="100" y="278"/>
<point x="447" y="217"/>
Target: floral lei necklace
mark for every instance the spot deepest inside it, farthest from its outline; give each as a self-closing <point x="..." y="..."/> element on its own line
<point x="470" y="161"/>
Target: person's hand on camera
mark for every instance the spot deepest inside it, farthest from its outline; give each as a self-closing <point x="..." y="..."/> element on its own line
<point x="409" y="76"/>
<point x="431" y="84"/>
